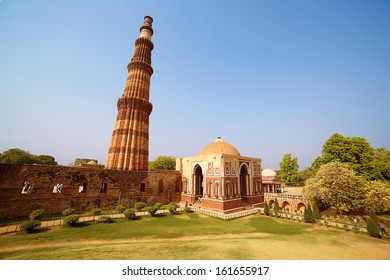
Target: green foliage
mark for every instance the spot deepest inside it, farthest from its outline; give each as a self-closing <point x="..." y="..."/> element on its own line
<point x="29" y="226"/>
<point x="68" y="211"/>
<point x="289" y="170"/>
<point x="276" y="206"/>
<point x="37" y="214"/>
<point x="105" y="219"/>
<point x="96" y="211"/>
<point x="71" y="220"/>
<point x="377" y="197"/>
<point x="188" y="209"/>
<point x="153" y="209"/>
<point x="18" y="156"/>
<point x="373" y="226"/>
<point x="358" y="154"/>
<point x="120" y="209"/>
<point x="139" y="205"/>
<point x="316" y="212"/>
<point x="266" y="209"/>
<point x="336" y="184"/>
<point x="172" y="208"/>
<point x="163" y="162"/>
<point x="305" y="174"/>
<point x="130" y="214"/>
<point x="308" y="215"/>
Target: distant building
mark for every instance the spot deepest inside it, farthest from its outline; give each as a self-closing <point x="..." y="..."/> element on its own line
<point x="271" y="181"/>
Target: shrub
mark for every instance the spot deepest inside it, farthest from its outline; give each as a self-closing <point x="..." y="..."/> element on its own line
<point x="30" y="225"/>
<point x="129" y="214"/>
<point x="276" y="207"/>
<point x="372" y="226"/>
<point x="120" y="208"/>
<point x="96" y="211"/>
<point x="36" y="214"/>
<point x="266" y="209"/>
<point x="71" y="220"/>
<point x="139" y="205"/>
<point x="172" y="208"/>
<point x="188" y="209"/>
<point x="316" y="212"/>
<point x="153" y="209"/>
<point x="105" y="219"/>
<point x="308" y="215"/>
<point x="68" y="211"/>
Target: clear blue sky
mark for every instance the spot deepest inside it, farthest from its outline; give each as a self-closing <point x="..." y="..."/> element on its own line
<point x="270" y="77"/>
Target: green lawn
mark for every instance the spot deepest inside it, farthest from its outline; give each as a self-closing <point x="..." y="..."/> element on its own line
<point x="193" y="236"/>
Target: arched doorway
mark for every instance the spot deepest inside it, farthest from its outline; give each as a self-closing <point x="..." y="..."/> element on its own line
<point x="198" y="181"/>
<point x="244" y="180"/>
<point x="301" y="206"/>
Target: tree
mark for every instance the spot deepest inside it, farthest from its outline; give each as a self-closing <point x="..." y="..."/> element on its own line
<point x="377" y="197"/>
<point x="354" y="151"/>
<point x="305" y="174"/>
<point x="289" y="170"/>
<point x="163" y="162"/>
<point x="316" y="212"/>
<point x="18" y="156"/>
<point x="336" y="184"/>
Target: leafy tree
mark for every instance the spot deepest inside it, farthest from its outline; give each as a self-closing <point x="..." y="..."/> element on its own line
<point x="377" y="197"/>
<point x="18" y="156"/>
<point x="305" y="174"/>
<point x="336" y="184"/>
<point x="289" y="170"/>
<point x="163" y="162"/>
<point x="354" y="151"/>
<point x="380" y="165"/>
<point x="266" y="209"/>
<point x="373" y="226"/>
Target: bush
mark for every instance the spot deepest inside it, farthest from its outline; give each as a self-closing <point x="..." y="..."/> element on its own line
<point x="266" y="209"/>
<point x="372" y="226"/>
<point x="139" y="205"/>
<point x="71" y="220"/>
<point x="96" y="211"/>
<point x="120" y="209"/>
<point x="172" y="208"/>
<point x="187" y="209"/>
<point x="105" y="219"/>
<point x="276" y="207"/>
<point x="68" y="211"/>
<point x="153" y="209"/>
<point x="30" y="225"/>
<point x="308" y="215"/>
<point x="130" y="214"/>
<point x="36" y="214"/>
<point x="316" y="212"/>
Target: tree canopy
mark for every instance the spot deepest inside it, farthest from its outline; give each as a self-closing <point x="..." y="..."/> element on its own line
<point x="357" y="153"/>
<point x="289" y="170"/>
<point x="18" y="156"/>
<point x="163" y="162"/>
<point x="336" y="184"/>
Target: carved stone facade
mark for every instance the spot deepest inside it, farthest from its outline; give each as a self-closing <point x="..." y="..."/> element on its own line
<point x="221" y="179"/>
<point x="129" y="148"/>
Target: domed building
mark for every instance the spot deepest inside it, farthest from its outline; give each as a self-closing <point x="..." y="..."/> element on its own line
<point x="220" y="179"/>
<point x="271" y="182"/>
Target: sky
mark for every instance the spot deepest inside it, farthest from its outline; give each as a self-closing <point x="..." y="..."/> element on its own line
<point x="269" y="77"/>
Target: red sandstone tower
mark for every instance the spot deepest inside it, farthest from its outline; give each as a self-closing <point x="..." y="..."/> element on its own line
<point x="129" y="149"/>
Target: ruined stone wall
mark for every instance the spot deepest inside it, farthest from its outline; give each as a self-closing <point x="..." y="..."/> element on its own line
<point x="83" y="188"/>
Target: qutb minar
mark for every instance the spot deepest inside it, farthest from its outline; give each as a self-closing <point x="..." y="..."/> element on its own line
<point x="129" y="148"/>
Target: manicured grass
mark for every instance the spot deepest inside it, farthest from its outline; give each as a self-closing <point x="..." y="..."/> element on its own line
<point x="192" y="236"/>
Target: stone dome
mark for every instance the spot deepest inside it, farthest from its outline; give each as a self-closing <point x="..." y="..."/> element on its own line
<point x="219" y="147"/>
<point x="268" y="173"/>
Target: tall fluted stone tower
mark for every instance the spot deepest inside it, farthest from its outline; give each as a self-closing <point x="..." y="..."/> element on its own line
<point x="129" y="149"/>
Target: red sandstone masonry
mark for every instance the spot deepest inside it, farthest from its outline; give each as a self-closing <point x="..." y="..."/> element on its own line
<point x="123" y="187"/>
